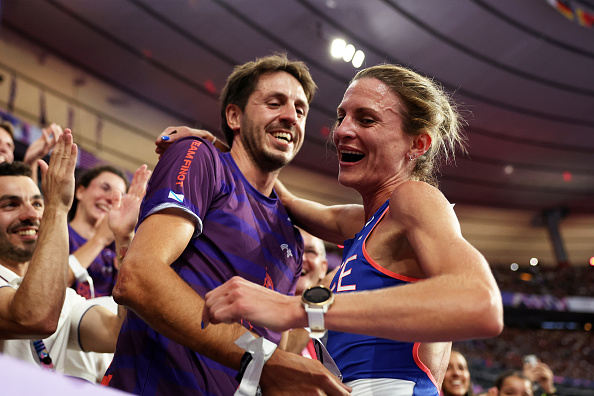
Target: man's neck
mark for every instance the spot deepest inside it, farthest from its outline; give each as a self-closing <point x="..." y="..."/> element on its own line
<point x="18" y="268"/>
<point x="260" y="180"/>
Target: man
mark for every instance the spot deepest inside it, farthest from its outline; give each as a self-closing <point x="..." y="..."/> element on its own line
<point x="315" y="266"/>
<point x="315" y="263"/>
<point x="207" y="217"/>
<point x="6" y="142"/>
<point x="39" y="317"/>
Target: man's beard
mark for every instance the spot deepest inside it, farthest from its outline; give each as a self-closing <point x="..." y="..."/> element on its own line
<point x="265" y="160"/>
<point x="16" y="254"/>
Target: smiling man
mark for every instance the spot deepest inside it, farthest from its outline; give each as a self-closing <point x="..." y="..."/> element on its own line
<point x="207" y="217"/>
<point x="40" y="319"/>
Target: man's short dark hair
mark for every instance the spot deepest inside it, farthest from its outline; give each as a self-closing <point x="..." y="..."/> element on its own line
<point x="16" y="168"/>
<point x="244" y="80"/>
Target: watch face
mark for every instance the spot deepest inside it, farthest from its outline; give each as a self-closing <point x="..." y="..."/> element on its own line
<point x="317" y="295"/>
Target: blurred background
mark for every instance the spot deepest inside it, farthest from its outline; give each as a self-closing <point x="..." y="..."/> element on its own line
<point x="120" y="71"/>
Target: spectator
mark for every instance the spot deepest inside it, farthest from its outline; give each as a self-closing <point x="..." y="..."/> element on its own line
<point x="39" y="317"/>
<point x="457" y="377"/>
<point x="541" y="375"/>
<point x="511" y="383"/>
<point x="92" y="246"/>
<point x="36" y="150"/>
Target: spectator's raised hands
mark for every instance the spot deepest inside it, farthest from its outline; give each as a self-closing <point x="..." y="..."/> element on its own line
<point x="42" y="146"/>
<point x="58" y="177"/>
<point x="542" y="374"/>
<point x="124" y="212"/>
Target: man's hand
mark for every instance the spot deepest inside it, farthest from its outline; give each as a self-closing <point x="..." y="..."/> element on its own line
<point x="172" y="134"/>
<point x="241" y="299"/>
<point x="58" y="177"/>
<point x="289" y="374"/>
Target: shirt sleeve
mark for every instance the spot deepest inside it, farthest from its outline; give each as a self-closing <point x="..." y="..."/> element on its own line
<point x="75" y="306"/>
<point x="186" y="179"/>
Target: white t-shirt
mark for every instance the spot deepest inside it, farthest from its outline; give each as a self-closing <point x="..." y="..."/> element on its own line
<point x="66" y="335"/>
<point x="90" y="366"/>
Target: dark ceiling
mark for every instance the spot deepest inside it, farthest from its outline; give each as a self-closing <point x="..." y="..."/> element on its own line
<point x="522" y="73"/>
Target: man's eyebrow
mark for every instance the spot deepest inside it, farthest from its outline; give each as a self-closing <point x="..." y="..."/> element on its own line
<point x="9" y="197"/>
<point x="18" y="197"/>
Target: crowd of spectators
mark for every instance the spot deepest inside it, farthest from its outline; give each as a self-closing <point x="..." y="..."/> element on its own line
<point x="570" y="354"/>
<point x="555" y="281"/>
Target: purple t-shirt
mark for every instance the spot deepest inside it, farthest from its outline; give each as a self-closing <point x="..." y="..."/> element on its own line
<point x="101" y="270"/>
<point x="238" y="231"/>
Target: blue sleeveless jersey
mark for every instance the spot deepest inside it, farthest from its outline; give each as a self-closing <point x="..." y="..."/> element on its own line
<point x="360" y="356"/>
<point x="238" y="231"/>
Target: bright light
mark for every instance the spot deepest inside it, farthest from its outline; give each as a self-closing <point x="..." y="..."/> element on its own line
<point x="337" y="49"/>
<point x="349" y="51"/>
<point x="592" y="261"/>
<point x="533" y="261"/>
<point x="508" y="170"/>
<point x="567" y="176"/>
<point x="514" y="266"/>
<point x="358" y="59"/>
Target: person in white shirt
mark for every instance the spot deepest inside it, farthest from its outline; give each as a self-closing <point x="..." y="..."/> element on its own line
<point x="39" y="317"/>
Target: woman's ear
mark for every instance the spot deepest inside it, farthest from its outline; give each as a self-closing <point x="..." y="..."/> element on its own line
<point x="420" y="145"/>
<point x="79" y="191"/>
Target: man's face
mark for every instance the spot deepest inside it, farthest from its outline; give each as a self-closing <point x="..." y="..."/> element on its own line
<point x="21" y="208"/>
<point x="273" y="123"/>
<point x="315" y="264"/>
<point x="6" y="147"/>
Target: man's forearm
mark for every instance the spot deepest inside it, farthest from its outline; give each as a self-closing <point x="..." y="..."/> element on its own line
<point x="41" y="295"/>
<point x="177" y="312"/>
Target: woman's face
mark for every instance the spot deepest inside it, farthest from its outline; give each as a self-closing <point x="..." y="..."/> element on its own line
<point x="96" y="200"/>
<point x="457" y="377"/>
<point x="372" y="145"/>
<point x="516" y="386"/>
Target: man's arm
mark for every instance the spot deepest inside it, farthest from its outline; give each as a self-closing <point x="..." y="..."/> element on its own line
<point x="33" y="310"/>
<point x="99" y="329"/>
<point x="149" y="286"/>
<point x="458" y="300"/>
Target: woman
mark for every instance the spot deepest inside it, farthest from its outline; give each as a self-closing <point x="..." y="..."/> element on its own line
<point x="457" y="377"/>
<point x="92" y="247"/>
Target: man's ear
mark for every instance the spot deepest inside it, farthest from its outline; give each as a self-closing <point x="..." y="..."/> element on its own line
<point x="420" y="145"/>
<point x="234" y="115"/>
